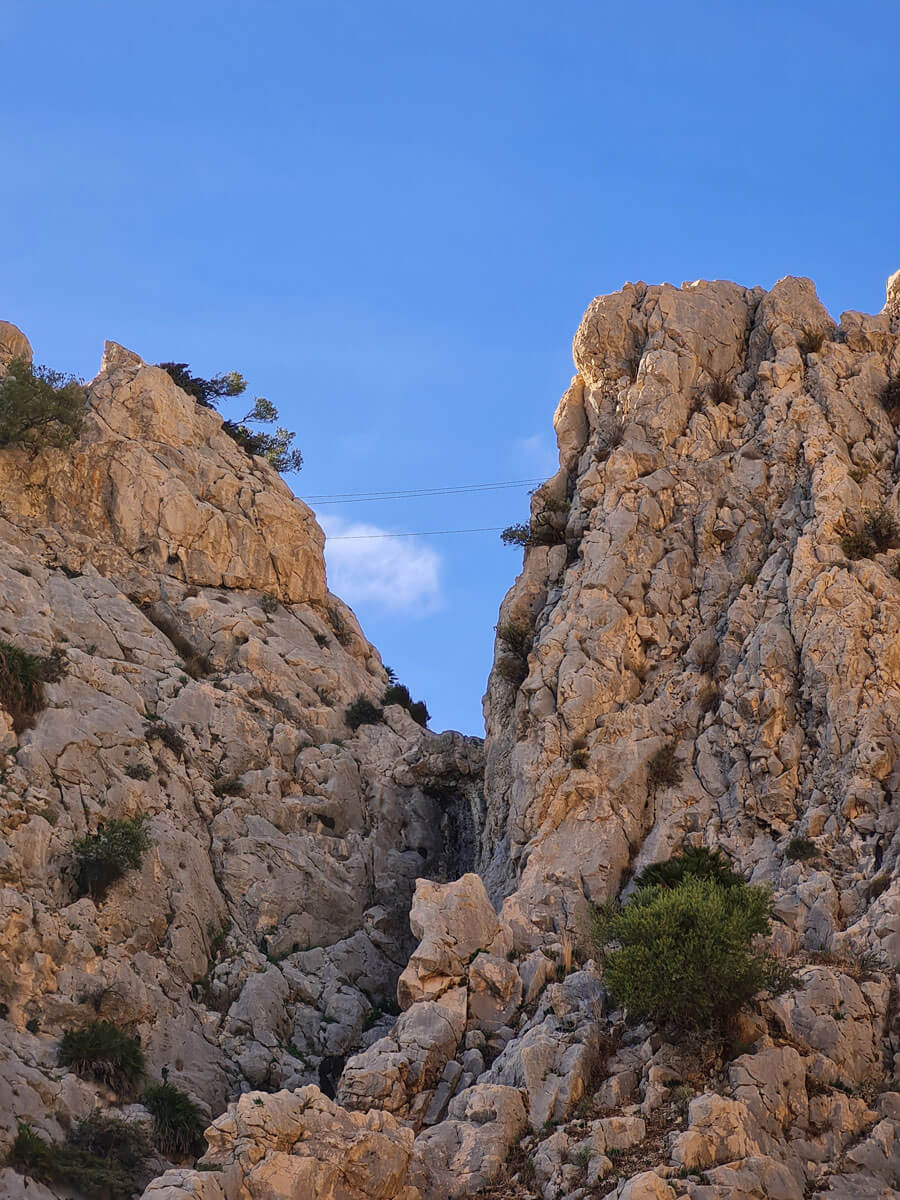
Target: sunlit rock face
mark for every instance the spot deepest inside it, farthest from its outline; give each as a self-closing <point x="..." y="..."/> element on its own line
<point x="695" y="654"/>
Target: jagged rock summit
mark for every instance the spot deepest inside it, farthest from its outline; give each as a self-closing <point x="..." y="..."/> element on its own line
<point x="702" y="650"/>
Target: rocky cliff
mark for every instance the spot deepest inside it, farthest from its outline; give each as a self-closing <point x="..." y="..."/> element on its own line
<point x="695" y="591"/>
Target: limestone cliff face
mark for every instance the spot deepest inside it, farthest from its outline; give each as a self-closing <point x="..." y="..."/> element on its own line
<point x="268" y="924"/>
<point x="691" y="593"/>
<point x="703" y="600"/>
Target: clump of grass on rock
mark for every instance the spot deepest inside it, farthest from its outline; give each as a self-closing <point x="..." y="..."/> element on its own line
<point x="177" y="1123"/>
<point x="22" y="679"/>
<point x="101" y="1051"/>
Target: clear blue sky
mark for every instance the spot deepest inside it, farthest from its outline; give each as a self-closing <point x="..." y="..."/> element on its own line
<point x="391" y="216"/>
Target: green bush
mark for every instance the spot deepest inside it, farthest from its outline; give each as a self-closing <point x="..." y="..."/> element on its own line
<point x="398" y="693"/>
<point x="275" y="447"/>
<point x="177" y="1124"/>
<point x="362" y="712"/>
<point x="22" y="679"/>
<point x="39" y="407"/>
<point x="111" y="1138"/>
<point x="516" y="535"/>
<point x="663" y="770"/>
<point x="103" y="1052"/>
<point x="93" y="1175"/>
<point x="683" y="957"/>
<point x="877" y="533"/>
<point x="517" y="635"/>
<point x="697" y="863"/>
<point x="800" y="849"/>
<point x="119" y="845"/>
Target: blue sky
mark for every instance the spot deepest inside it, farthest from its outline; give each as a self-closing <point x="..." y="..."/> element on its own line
<point x="391" y="217"/>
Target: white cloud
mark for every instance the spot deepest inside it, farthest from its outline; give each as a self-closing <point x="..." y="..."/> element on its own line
<point x="538" y="452"/>
<point x="392" y="574"/>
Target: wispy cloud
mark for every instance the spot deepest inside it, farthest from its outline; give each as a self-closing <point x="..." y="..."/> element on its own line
<point x="538" y="452"/>
<point x="392" y="574"/>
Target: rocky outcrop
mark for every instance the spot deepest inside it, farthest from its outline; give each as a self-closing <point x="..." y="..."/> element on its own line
<point x="690" y="589"/>
<point x="207" y="674"/>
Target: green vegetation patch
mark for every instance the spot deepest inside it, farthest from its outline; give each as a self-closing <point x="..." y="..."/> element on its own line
<point x="91" y="1174"/>
<point x="39" y="407"/>
<point x="22" y="679"/>
<point x="362" y="712"/>
<point x="101" y="1051"/>
<point x="119" y="845"/>
<point x="177" y="1123"/>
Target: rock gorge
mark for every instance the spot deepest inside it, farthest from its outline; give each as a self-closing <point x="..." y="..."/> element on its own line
<point x="362" y="953"/>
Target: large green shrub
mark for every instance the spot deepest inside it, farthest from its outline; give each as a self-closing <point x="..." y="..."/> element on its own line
<point x="22" y="679"/>
<point x="103" y="1052"/>
<point x="119" y="845"/>
<point x="177" y="1124"/>
<point x="39" y="407"/>
<point x="398" y="693"/>
<point x="275" y="447"/>
<point x="683" y="957"/>
<point x="99" y="1176"/>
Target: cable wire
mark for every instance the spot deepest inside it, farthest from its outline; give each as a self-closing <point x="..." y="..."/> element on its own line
<point x="398" y="494"/>
<point x="365" y="537"/>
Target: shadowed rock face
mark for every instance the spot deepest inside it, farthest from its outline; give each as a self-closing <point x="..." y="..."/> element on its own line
<point x="689" y="593"/>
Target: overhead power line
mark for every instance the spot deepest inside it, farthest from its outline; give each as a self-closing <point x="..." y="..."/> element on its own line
<point x="365" y="537"/>
<point x="399" y="494"/>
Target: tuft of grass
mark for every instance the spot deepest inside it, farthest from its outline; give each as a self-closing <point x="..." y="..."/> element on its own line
<point x="103" y="857"/>
<point x="800" y="849"/>
<point x="321" y="639"/>
<point x="101" y="1051"/>
<point x="663" y="770"/>
<point x="22" y="679"/>
<point x="517" y="635"/>
<point x="362" y="712"/>
<point x="177" y="1123"/>
<point x="138" y="771"/>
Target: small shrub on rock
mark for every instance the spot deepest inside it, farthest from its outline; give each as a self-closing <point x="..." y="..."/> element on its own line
<point x="398" y="693"/>
<point x="39" y="407"/>
<point x="663" y="770"/>
<point x="580" y="756"/>
<point x="516" y="535"/>
<point x="362" y="712"/>
<point x="695" y="863"/>
<point x="22" y="679"/>
<point x="274" y="447"/>
<point x="66" y="1164"/>
<point x="878" y="533"/>
<point x="111" y="1138"/>
<point x="103" y="857"/>
<point x="517" y="635"/>
<point x="177" y="1124"/>
<point x="162" y="732"/>
<point x="800" y="849"/>
<point x="101" y="1051"/>
<point x="683" y="957"/>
